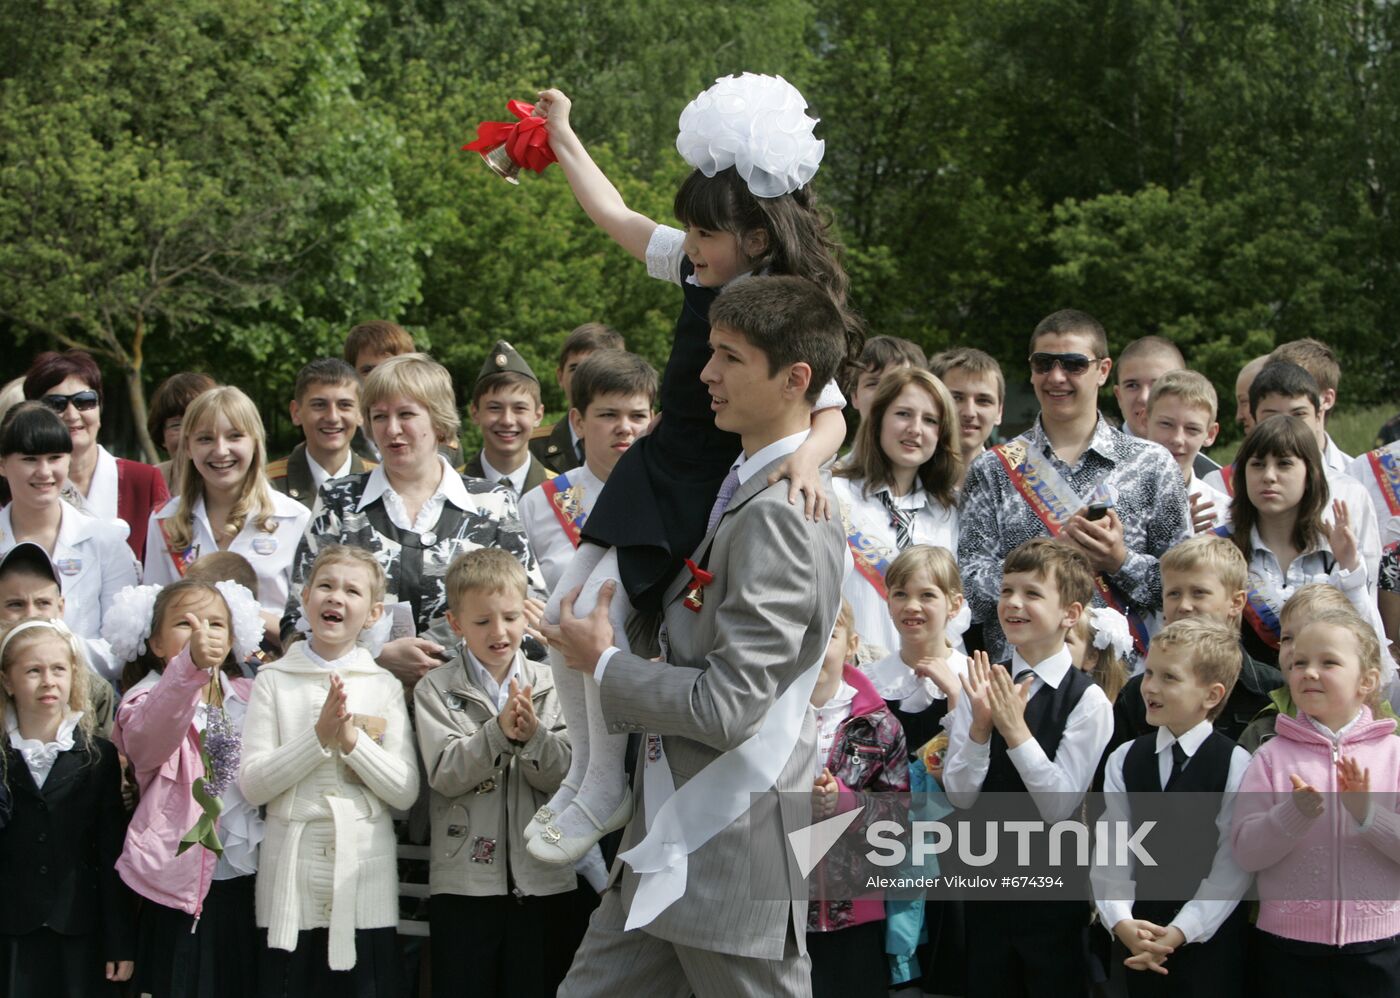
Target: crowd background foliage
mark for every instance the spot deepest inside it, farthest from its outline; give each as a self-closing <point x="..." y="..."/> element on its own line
<point x="228" y="186"/>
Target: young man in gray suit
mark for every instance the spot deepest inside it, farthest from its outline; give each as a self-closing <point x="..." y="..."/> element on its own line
<point x="724" y="714"/>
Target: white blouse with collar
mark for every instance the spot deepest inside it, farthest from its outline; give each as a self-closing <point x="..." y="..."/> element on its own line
<point x="932" y="524"/>
<point x="270" y="552"/>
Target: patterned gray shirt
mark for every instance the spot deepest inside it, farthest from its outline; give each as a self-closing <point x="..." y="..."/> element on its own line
<point x="994" y="519"/>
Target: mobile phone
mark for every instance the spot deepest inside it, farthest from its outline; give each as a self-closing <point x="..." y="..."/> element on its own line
<point x="1098" y="510"/>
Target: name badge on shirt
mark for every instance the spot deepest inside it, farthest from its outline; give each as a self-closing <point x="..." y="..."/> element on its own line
<point x="69" y="566"/>
<point x="264" y="544"/>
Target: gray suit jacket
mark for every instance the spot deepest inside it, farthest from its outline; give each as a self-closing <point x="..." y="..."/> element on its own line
<point x="766" y="618"/>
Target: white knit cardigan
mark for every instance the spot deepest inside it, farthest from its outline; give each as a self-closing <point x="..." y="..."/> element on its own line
<point x="329" y="855"/>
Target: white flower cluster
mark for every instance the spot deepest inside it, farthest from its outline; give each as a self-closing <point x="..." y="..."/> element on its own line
<point x="246" y="616"/>
<point x="127" y="623"/>
<point x="1111" y="630"/>
<point x="757" y="125"/>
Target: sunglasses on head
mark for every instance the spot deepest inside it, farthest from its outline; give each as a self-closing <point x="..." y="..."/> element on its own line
<point x="1071" y="363"/>
<point x="82" y="401"/>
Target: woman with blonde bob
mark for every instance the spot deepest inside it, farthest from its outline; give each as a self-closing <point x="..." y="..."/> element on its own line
<point x="898" y="489"/>
<point x="413" y="512"/>
<point x="225" y="502"/>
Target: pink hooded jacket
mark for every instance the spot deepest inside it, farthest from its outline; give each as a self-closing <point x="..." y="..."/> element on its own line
<point x="154" y="728"/>
<point x="1327" y="879"/>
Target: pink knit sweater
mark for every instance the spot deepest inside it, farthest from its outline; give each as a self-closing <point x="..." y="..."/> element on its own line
<point x="1326" y="879"/>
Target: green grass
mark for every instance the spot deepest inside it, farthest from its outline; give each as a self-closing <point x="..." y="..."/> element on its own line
<point x="1354" y="430"/>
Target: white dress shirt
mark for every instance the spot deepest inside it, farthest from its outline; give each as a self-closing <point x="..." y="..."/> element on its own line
<point x="1198" y="488"/>
<point x="1333" y="456"/>
<point x="1388" y="521"/>
<point x="1226" y="883"/>
<point x="499" y="693"/>
<point x="93" y="563"/>
<point x="515" y="480"/>
<point x="552" y="546"/>
<point x="931" y="523"/>
<point x="269" y="552"/>
<point x="1057" y="786"/>
<point x="320" y="476"/>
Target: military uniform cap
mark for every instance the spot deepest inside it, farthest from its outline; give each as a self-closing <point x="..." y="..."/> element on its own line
<point x="502" y="358"/>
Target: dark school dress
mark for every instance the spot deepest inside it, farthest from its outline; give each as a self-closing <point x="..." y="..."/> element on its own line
<point x="659" y="496"/>
<point x="66" y="913"/>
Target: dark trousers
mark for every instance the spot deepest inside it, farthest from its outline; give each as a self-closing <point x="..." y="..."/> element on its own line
<point x="1316" y="970"/>
<point x="306" y="970"/>
<point x="1043" y="952"/>
<point x="849" y="963"/>
<point x="1212" y="969"/>
<point x="503" y="944"/>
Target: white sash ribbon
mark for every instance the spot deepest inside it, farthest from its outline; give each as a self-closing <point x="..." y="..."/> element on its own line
<point x="681" y="821"/>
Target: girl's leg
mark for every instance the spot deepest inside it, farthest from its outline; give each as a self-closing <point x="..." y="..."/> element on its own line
<point x="570" y="686"/>
<point x="605" y="783"/>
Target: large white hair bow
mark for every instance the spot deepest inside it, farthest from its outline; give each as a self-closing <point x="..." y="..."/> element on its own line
<point x="757" y="125"/>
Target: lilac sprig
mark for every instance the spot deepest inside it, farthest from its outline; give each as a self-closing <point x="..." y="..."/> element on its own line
<point x="224" y="747"/>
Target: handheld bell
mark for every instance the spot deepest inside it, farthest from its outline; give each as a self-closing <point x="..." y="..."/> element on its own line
<point x="502" y="165"/>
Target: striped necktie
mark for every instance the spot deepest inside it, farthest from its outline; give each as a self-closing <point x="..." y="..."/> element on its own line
<point x="901" y="520"/>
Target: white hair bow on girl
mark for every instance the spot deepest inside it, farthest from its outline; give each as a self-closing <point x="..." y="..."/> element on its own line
<point x="1111" y="630"/>
<point x="127" y="625"/>
<point x="757" y="125"/>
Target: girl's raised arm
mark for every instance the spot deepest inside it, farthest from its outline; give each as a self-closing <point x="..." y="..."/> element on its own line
<point x="599" y="198"/>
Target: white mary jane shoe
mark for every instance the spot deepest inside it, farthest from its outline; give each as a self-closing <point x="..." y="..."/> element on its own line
<point x="551" y="846"/>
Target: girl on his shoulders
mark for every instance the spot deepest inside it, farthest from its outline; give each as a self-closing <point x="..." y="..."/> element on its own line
<point x="65" y="920"/>
<point x="184" y="692"/>
<point x="328" y="749"/>
<point x="898" y="489"/>
<point x="657" y="508"/>
<point x="225" y="502"/>
<point x="1316" y="821"/>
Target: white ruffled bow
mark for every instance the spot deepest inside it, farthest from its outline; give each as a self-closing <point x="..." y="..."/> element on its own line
<point x="40" y="756"/>
<point x="757" y="125"/>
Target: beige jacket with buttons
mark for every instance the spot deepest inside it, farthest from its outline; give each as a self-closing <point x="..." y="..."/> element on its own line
<point x="486" y="787"/>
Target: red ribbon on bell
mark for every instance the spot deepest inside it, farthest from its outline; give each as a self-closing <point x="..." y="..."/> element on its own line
<point x="509" y="146"/>
<point x="699" y="578"/>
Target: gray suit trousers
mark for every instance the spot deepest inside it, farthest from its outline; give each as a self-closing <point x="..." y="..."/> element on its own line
<point x="613" y="962"/>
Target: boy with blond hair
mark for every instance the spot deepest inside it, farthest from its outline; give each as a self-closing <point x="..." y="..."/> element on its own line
<point x="1181" y="919"/>
<point x="1181" y="416"/>
<point x="1205" y="576"/>
<point x="494" y="746"/>
<point x="975" y="380"/>
<point x="1036" y="725"/>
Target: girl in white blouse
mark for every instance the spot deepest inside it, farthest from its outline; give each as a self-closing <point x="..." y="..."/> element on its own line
<point x="1290" y="534"/>
<point x="897" y="490"/>
<point x="225" y="502"/>
<point x="91" y="559"/>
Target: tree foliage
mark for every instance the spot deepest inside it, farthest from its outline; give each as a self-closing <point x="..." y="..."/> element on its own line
<point x="229" y="186"/>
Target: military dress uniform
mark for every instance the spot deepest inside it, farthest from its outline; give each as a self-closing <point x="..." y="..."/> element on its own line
<point x="292" y="474"/>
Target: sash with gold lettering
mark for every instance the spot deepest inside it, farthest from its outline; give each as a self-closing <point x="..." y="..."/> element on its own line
<point x="1263" y="605"/>
<point x="871" y="557"/>
<point x="182" y="560"/>
<point x="1054" y="501"/>
<point x="1385" y="465"/>
<point x="566" y="500"/>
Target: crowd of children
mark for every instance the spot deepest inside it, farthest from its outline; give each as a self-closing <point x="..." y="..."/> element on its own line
<point x="210" y="782"/>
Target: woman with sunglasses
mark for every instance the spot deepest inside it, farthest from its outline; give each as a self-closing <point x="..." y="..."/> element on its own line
<point x="108" y="487"/>
<point x="90" y="556"/>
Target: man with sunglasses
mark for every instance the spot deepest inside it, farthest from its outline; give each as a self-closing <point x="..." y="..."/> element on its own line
<point x="1076" y="477"/>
